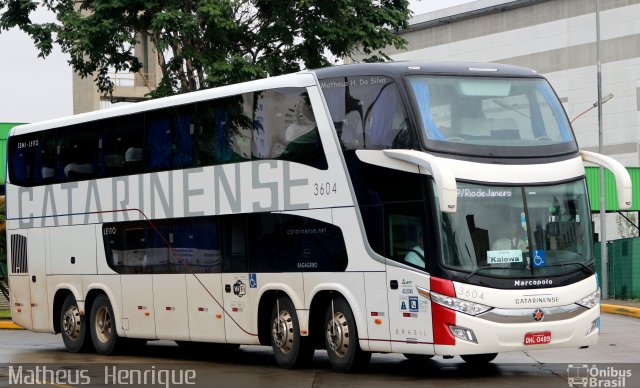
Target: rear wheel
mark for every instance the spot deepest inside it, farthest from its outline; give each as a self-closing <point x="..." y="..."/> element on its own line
<point x="73" y="327"/>
<point x="341" y="338"/>
<point x="479" y="358"/>
<point x="290" y="349"/>
<point x="103" y="327"/>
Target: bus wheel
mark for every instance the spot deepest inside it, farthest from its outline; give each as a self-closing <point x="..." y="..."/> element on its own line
<point x="341" y="338"/>
<point x="103" y="329"/>
<point x="290" y="349"/>
<point x="479" y="358"/>
<point x="74" y="327"/>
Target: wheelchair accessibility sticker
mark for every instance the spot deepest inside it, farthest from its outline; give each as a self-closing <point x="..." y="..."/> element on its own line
<point x="538" y="257"/>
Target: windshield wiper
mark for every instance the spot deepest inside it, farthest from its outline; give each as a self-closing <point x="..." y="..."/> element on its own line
<point x="475" y="271"/>
<point x="584" y="267"/>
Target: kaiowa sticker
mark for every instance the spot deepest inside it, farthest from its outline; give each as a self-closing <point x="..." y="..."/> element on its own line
<point x="504" y="256"/>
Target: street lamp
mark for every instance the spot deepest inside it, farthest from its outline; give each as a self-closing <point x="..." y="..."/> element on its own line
<point x="595" y="105"/>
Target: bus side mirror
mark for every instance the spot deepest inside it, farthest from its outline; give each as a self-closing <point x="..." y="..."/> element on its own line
<point x="446" y="186"/>
<point x="623" y="179"/>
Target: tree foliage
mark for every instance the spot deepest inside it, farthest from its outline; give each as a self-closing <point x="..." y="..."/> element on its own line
<point x="207" y="43"/>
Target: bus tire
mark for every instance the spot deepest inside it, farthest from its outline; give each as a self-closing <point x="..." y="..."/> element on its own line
<point x="290" y="349"/>
<point x="341" y="338"/>
<point x="73" y="327"/>
<point x="479" y="358"/>
<point x="103" y="327"/>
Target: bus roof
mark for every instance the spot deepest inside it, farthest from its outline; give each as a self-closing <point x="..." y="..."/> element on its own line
<point x="422" y="67"/>
<point x="300" y="79"/>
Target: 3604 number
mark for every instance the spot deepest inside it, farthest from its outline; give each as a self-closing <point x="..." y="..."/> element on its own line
<point x="324" y="188"/>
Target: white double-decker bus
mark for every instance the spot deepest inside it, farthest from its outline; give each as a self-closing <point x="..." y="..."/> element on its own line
<point x="417" y="208"/>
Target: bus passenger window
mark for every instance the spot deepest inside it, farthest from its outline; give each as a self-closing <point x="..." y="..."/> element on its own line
<point x="158" y="142"/>
<point x="205" y="133"/>
<point x="76" y="159"/>
<point x="368" y="113"/>
<point x="239" y="136"/>
<point x="120" y="146"/>
<point x="235" y="244"/>
<point x="22" y="154"/>
<point x="195" y="245"/>
<point x="183" y="140"/>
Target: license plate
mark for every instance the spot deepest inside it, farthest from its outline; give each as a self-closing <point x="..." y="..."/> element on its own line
<point x="540" y="338"/>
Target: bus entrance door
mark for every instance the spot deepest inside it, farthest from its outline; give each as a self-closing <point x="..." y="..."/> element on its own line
<point x="409" y="312"/>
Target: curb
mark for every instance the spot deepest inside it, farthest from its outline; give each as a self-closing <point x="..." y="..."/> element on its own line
<point x="622" y="310"/>
<point x="9" y="325"/>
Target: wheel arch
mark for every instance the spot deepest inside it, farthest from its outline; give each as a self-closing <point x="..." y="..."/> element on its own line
<point x="320" y="301"/>
<point x="97" y="289"/>
<point x="60" y="294"/>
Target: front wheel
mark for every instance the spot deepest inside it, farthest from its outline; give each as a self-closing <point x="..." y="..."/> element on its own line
<point x="103" y="327"/>
<point x="479" y="358"/>
<point x="73" y="327"/>
<point x="341" y="338"/>
<point x="290" y="349"/>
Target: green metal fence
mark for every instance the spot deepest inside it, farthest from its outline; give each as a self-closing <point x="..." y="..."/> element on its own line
<point x="623" y="271"/>
<point x="4" y="134"/>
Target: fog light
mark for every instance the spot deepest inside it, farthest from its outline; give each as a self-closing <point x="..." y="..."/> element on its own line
<point x="463" y="333"/>
<point x="594" y="326"/>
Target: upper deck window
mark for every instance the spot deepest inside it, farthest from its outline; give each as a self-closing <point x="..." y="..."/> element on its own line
<point x="367" y="112"/>
<point x="484" y="116"/>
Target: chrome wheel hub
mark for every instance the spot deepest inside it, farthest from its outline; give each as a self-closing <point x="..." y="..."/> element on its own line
<point x="338" y="334"/>
<point x="282" y="331"/>
<point x="103" y="324"/>
<point x="71" y="323"/>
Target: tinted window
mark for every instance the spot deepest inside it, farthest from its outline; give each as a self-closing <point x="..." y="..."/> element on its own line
<point x="285" y="128"/>
<point x="22" y="151"/>
<point x="170" y="138"/>
<point x="368" y="113"/>
<point x="491" y="116"/>
<point x="164" y="246"/>
<point x="263" y="242"/>
<point x="273" y="124"/>
<point x="395" y="210"/>
<point x="286" y="243"/>
<point x="120" y="146"/>
<point x="76" y="153"/>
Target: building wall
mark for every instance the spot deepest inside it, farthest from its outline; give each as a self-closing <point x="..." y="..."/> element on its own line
<point x="558" y="39"/>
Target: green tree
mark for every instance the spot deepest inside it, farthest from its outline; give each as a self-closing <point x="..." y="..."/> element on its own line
<point x="207" y="43"/>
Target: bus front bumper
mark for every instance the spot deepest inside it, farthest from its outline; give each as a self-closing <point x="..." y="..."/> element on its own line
<point x="494" y="335"/>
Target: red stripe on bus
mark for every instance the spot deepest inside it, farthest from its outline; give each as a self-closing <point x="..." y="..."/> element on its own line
<point x="442" y="318"/>
<point x="442" y="286"/>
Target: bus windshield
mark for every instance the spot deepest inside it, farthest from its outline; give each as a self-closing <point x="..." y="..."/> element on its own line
<point x="491" y="116"/>
<point x="502" y="231"/>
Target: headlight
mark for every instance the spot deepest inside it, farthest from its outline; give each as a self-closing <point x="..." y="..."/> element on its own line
<point x="463" y="306"/>
<point x="591" y="300"/>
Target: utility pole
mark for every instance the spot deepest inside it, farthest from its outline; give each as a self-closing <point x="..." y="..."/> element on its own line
<point x="604" y="260"/>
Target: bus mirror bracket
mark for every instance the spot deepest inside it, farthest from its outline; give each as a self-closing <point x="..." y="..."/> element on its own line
<point x="442" y="174"/>
<point x="623" y="179"/>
